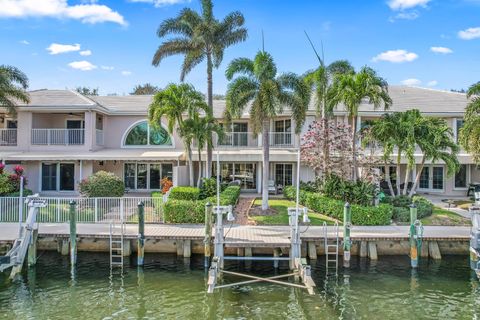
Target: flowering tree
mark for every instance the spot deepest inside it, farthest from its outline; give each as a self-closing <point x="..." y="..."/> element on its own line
<point x="338" y="142"/>
<point x="10" y="182"/>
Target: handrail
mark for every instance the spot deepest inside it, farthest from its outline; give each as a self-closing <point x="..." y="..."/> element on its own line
<point x="52" y="136"/>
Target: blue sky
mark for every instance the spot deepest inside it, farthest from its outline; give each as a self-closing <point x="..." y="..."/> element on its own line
<point x="109" y="44"/>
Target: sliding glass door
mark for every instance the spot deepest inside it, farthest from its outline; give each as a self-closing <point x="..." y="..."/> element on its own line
<point x="244" y="173"/>
<point x="432" y="178"/>
<point x="58" y="176"/>
<point x="146" y="176"/>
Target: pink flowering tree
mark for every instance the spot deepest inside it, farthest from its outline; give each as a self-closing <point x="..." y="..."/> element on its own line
<point x="337" y="142"/>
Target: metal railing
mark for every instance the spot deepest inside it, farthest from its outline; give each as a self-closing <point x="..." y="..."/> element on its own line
<point x="58" y="136"/>
<point x="99" y="137"/>
<point x="237" y="139"/>
<point x="89" y="210"/>
<point x="8" y="137"/>
<point x="281" y="139"/>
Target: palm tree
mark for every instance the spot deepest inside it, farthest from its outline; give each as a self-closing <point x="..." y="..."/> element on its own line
<point x="13" y="86"/>
<point x="200" y="37"/>
<point x="435" y="139"/>
<point x="351" y="89"/>
<point x="470" y="132"/>
<point x="173" y="103"/>
<point x="258" y="86"/>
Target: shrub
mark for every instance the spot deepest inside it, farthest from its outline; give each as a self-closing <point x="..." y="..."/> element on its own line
<point x="10" y="182"/>
<point x="401" y="201"/>
<point x="359" y="192"/>
<point x="401" y="214"/>
<point x="5" y="185"/>
<point x="208" y="188"/>
<point x="361" y="215"/>
<point x="187" y="211"/>
<point x="184" y="193"/>
<point x="102" y="184"/>
<point x="290" y="192"/>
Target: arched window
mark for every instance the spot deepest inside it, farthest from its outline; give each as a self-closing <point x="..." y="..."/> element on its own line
<point x="141" y="134"/>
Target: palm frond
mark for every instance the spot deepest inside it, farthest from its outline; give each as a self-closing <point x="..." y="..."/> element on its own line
<point x="240" y="66"/>
<point x="173" y="47"/>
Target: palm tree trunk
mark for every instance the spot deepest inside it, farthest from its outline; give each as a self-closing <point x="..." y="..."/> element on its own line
<point x="266" y="163"/>
<point x="417" y="178"/>
<point x="354" y="148"/>
<point x="405" y="183"/>
<point x="399" y="158"/>
<point x="200" y="169"/>
<point x="210" y="105"/>
<point x="190" y="165"/>
<point x="387" y="178"/>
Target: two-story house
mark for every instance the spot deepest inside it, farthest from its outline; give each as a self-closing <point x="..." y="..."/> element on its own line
<point x="62" y="137"/>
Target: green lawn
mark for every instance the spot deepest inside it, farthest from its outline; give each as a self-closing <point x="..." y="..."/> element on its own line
<point x="281" y="218"/>
<point x="443" y="217"/>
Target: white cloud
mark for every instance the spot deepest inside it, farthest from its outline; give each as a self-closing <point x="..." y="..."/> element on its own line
<point x="411" y="82"/>
<point x="109" y="68"/>
<point x="469" y="34"/>
<point x="442" y="50"/>
<point x="395" y="56"/>
<point x="161" y="3"/>
<point x="82" y="65"/>
<point x="406" y="4"/>
<point x="412" y="15"/>
<point x="126" y="73"/>
<point x="432" y="83"/>
<point x="86" y="53"/>
<point x="25" y="42"/>
<point x="60" y="9"/>
<point x="57" y="48"/>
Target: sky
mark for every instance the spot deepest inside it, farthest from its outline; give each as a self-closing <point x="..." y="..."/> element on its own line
<point x="109" y="44"/>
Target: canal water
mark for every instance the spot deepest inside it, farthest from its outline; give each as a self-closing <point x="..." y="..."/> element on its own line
<point x="173" y="288"/>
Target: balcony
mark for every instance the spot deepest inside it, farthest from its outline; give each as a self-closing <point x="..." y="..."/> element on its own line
<point x="281" y="139"/>
<point x="8" y="137"/>
<point x="237" y="140"/>
<point x="58" y="136"/>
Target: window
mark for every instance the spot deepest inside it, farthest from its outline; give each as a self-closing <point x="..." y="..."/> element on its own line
<point x="459" y="125"/>
<point x="236" y="136"/>
<point x="425" y="178"/>
<point x="143" y="176"/>
<point x="392" y="170"/>
<point x="431" y="178"/>
<point x="283" y="174"/>
<point x="437" y="178"/>
<point x="58" y="176"/>
<point x="283" y="132"/>
<point x="143" y="135"/>
<point x="461" y="177"/>
<point x="245" y="173"/>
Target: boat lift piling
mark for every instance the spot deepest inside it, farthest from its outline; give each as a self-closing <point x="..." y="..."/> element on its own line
<point x="73" y="233"/>
<point x="475" y="240"/>
<point x="416" y="234"/>
<point x="141" y="234"/>
<point x="208" y="234"/>
<point x="347" y="242"/>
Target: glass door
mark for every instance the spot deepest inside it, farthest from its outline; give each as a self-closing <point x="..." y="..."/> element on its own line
<point x="75" y="132"/>
<point x="67" y="176"/>
<point x="425" y="178"/>
<point x="283" y="174"/>
<point x="49" y="176"/>
<point x="240" y="135"/>
<point x="437" y="178"/>
<point x="142" y="176"/>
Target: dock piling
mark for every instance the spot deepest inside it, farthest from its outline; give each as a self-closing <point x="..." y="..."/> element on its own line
<point x="73" y="233"/>
<point x="347" y="243"/>
<point x="141" y="234"/>
<point x="32" y="249"/>
<point x="208" y="234"/>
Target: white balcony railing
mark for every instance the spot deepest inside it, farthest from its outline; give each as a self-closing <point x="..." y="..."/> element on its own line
<point x="281" y="139"/>
<point x="8" y="137"/>
<point x="237" y="139"/>
<point x="58" y="136"/>
<point x="99" y="137"/>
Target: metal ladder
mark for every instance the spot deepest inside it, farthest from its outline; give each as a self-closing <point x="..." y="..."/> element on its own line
<point x="331" y="248"/>
<point x="117" y="234"/>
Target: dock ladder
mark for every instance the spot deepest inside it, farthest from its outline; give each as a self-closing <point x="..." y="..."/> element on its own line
<point x="117" y="235"/>
<point x="331" y="248"/>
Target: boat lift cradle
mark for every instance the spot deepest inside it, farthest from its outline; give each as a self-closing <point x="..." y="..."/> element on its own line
<point x="16" y="256"/>
<point x="299" y="268"/>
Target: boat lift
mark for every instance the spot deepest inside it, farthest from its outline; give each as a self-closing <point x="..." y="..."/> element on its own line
<point x="475" y="234"/>
<point x="300" y="270"/>
<point x="15" y="257"/>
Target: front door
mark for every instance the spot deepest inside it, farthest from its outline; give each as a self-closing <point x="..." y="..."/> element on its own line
<point x="75" y="131"/>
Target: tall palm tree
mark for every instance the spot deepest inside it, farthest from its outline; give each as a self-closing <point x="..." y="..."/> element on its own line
<point x="200" y="37"/>
<point x="173" y="103"/>
<point x="13" y="86"/>
<point x="257" y="85"/>
<point x="351" y="89"/>
<point x="435" y="139"/>
<point x="470" y="132"/>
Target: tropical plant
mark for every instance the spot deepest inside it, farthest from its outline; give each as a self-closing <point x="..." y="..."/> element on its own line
<point x="173" y="103"/>
<point x="200" y="37"/>
<point x="470" y="132"/>
<point x="166" y="184"/>
<point x="351" y="89"/>
<point x="102" y="184"/>
<point x="435" y="139"/>
<point x="86" y="91"/>
<point x="13" y="86"/>
<point x="145" y="89"/>
<point x="259" y="87"/>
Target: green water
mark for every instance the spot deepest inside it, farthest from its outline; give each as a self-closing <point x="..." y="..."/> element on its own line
<point x="173" y="288"/>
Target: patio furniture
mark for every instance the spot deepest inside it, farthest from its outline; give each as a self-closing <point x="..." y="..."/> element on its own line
<point x="471" y="188"/>
<point x="272" y="188"/>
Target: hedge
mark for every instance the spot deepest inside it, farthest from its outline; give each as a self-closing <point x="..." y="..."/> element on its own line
<point x="184" y="193"/>
<point x="361" y="215"/>
<point x="187" y="211"/>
